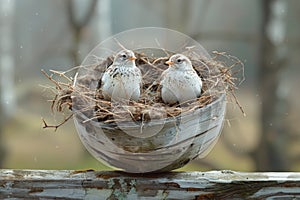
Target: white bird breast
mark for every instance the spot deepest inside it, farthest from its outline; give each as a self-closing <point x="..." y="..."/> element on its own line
<point x="180" y="86"/>
<point x="121" y="84"/>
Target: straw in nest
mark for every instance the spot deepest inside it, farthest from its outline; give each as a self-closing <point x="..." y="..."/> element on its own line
<point x="83" y="94"/>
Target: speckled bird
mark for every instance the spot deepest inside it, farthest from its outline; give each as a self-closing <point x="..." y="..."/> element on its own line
<point x="180" y="82"/>
<point x="123" y="79"/>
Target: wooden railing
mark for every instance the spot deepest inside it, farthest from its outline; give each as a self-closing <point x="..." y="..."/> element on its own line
<point x="63" y="184"/>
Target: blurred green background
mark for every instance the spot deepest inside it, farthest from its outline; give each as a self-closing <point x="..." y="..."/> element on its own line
<point x="58" y="34"/>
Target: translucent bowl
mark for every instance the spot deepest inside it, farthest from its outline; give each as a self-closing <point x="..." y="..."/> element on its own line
<point x="159" y="144"/>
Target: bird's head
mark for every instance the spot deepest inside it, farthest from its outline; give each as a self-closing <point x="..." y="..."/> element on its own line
<point x="125" y="57"/>
<point x="179" y="61"/>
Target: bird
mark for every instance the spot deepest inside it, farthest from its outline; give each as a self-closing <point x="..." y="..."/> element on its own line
<point x="180" y="82"/>
<point x="123" y="79"/>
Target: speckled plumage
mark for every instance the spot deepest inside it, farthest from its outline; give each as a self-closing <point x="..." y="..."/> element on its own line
<point x="180" y="82"/>
<point x="122" y="80"/>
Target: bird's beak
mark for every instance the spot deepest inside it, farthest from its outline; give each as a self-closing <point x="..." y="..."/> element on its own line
<point x="132" y="58"/>
<point x="169" y="62"/>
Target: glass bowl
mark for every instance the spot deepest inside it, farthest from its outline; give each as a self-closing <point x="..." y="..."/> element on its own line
<point x="156" y="145"/>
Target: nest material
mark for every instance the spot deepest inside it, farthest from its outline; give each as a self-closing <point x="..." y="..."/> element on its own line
<point x="85" y="95"/>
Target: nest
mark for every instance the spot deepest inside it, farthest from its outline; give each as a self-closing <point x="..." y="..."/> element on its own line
<point x="220" y="75"/>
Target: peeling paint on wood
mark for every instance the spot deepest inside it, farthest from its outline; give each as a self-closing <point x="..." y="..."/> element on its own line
<point x="65" y="184"/>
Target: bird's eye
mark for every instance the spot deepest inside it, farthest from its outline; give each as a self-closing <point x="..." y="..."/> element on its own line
<point x="124" y="56"/>
<point x="179" y="60"/>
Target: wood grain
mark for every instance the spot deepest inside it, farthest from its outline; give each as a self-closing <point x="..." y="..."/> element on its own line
<point x="52" y="184"/>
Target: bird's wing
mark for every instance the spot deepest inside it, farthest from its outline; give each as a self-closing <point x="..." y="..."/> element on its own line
<point x="106" y="77"/>
<point x="138" y="74"/>
<point x="163" y="76"/>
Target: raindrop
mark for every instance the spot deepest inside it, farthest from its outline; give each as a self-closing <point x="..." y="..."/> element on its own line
<point x="271" y="124"/>
<point x="36" y="14"/>
<point x="21" y="46"/>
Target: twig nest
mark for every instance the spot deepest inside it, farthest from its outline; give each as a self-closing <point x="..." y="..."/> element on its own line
<point x="149" y="135"/>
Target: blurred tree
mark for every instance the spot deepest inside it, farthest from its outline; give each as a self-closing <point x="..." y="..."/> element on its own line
<point x="102" y="20"/>
<point x="7" y="93"/>
<point x="271" y="153"/>
<point x="7" y="58"/>
<point x="78" y="23"/>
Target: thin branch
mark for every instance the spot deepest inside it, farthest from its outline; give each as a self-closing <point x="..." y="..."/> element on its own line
<point x="51" y="79"/>
<point x="62" y="74"/>
<point x="237" y="102"/>
<point x="56" y="126"/>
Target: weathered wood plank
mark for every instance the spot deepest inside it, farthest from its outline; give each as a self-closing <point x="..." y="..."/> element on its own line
<point x="50" y="184"/>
